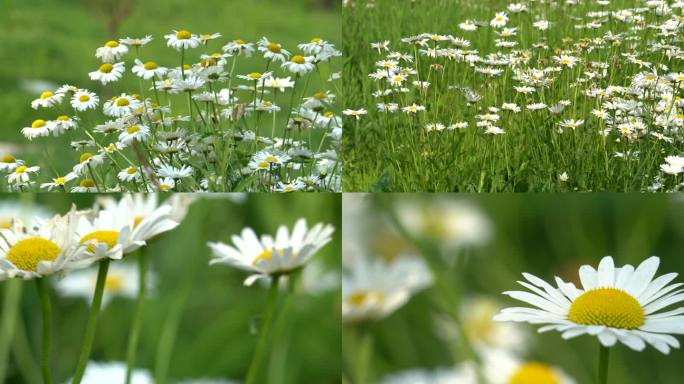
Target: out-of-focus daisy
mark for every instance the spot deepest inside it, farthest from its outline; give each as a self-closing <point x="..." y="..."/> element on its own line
<point x="22" y="174"/>
<point x="84" y="100"/>
<point x="28" y="214"/>
<point x="108" y="73"/>
<point x="111" y="52"/>
<point x="373" y="288"/>
<point x="31" y="252"/>
<point x="113" y="373"/>
<point x="122" y="281"/>
<point x="129" y="174"/>
<point x="9" y="163"/>
<point x="299" y="65"/>
<point x="59" y="182"/>
<point x="502" y="367"/>
<point x="148" y="69"/>
<point x="47" y="99"/>
<point x="134" y="132"/>
<point x="428" y="376"/>
<point x="614" y="304"/>
<point x="136" y="42"/>
<point x="182" y="39"/>
<point x="239" y="46"/>
<point x="62" y="124"/>
<point x="268" y="256"/>
<point x="357" y="113"/>
<point x="175" y="172"/>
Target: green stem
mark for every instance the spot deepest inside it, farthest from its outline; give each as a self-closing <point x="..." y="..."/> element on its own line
<point x="134" y="336"/>
<point x="364" y="358"/>
<point x="263" y="332"/>
<point x="10" y="305"/>
<point x="92" y="321"/>
<point x="44" y="294"/>
<point x="604" y="356"/>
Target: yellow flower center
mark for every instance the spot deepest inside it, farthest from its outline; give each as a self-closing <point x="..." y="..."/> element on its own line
<point x="274" y="47"/>
<point x="83" y="98"/>
<point x="360" y="298"/>
<point x="271" y="159"/>
<point x="27" y="253"/>
<point x="112" y="44"/>
<point x="316" y="40"/>
<point x="254" y="75"/>
<point x="106" y="68"/>
<point x="267" y="255"/>
<point x="263" y="164"/>
<point x="38" y="124"/>
<point x="320" y="96"/>
<point x="298" y="59"/>
<point x="183" y="35"/>
<point x="150" y="65"/>
<point x="63" y="118"/>
<point x="137" y="220"/>
<point x="328" y="114"/>
<point x="60" y="181"/>
<point x="534" y="373"/>
<point x="46" y="94"/>
<point x="20" y="169"/>
<point x="100" y="237"/>
<point x="239" y="41"/>
<point x="8" y="159"/>
<point x="164" y="187"/>
<point x="133" y="129"/>
<point x="610" y="307"/>
<point x="122" y="102"/>
<point x="114" y="283"/>
<point x="87" y="183"/>
<point x="84" y="157"/>
<point x="131" y="170"/>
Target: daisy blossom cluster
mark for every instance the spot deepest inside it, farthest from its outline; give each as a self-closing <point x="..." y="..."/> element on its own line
<point x="195" y="123"/>
<point x="571" y="95"/>
<point x="61" y="247"/>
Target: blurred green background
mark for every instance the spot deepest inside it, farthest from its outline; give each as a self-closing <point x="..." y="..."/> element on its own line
<point x="215" y="334"/>
<point x="547" y="235"/>
<point x="47" y="43"/>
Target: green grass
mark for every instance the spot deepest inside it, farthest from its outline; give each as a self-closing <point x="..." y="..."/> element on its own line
<point x="215" y="336"/>
<point x="394" y="152"/>
<point x="542" y="234"/>
<point x="55" y="41"/>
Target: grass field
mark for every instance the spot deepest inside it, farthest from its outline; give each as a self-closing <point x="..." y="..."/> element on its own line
<point x="563" y="97"/>
<point x="55" y="43"/>
<point x="200" y="320"/>
<point x="499" y="237"/>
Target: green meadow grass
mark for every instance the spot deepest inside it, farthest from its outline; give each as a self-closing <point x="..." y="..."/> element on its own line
<point x="210" y="316"/>
<point x="545" y="235"/>
<point x="55" y="41"/>
<point x="394" y="152"/>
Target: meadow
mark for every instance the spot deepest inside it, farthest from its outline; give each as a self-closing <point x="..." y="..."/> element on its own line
<point x="203" y="128"/>
<point x="489" y="96"/>
<point x="200" y="321"/>
<point x="423" y="277"/>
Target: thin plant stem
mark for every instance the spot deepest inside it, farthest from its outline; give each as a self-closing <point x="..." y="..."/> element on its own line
<point x="44" y="294"/>
<point x="260" y="350"/>
<point x="134" y="336"/>
<point x="92" y="321"/>
<point x="604" y="357"/>
<point x="10" y="307"/>
<point x="364" y="358"/>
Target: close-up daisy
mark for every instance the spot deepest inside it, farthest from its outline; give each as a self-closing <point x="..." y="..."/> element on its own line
<point x="182" y="39"/>
<point x="84" y="100"/>
<point x="108" y="73"/>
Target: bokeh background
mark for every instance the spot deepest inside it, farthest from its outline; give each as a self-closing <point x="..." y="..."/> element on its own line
<point x="47" y="43"/>
<point x="544" y="234"/>
<point x="204" y="312"/>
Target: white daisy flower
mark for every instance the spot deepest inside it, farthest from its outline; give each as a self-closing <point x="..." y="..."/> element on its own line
<point x="122" y="105"/>
<point x="130" y="174"/>
<point x="268" y="256"/>
<point x="239" y="46"/>
<point x="166" y="170"/>
<point x="133" y="133"/>
<point x="62" y="124"/>
<point x="373" y="288"/>
<point x="87" y="160"/>
<point x="299" y="65"/>
<point x="47" y="99"/>
<point x="32" y="252"/>
<point x="148" y="69"/>
<point x="615" y="304"/>
<point x="22" y="174"/>
<point x="39" y="128"/>
<point x="113" y="373"/>
<point x="111" y="52"/>
<point x="272" y="51"/>
<point x="9" y="163"/>
<point x="182" y="39"/>
<point x="136" y="42"/>
<point x="59" y="182"/>
<point x="108" y="73"/>
<point x="84" y="100"/>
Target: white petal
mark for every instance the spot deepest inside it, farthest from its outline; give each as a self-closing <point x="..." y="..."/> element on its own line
<point x="607" y="338"/>
<point x="642" y="276"/>
<point x="606" y="272"/>
<point x="588" y="277"/>
<point x="673" y="324"/>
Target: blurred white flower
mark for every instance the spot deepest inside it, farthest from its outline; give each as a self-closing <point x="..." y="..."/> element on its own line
<point x="373" y="288"/>
<point x="426" y="376"/>
<point x="11" y="210"/>
<point x="113" y="373"/>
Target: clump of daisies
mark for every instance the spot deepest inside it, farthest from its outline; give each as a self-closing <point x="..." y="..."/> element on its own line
<point x="64" y="245"/>
<point x="196" y="122"/>
<point x="509" y="102"/>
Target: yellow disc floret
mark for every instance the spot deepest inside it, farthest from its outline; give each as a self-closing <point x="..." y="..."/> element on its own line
<point x="150" y="65"/>
<point x="133" y="129"/>
<point x="27" y="253"/>
<point x="183" y="34"/>
<point x="100" y="237"/>
<point x="106" y="68"/>
<point x="112" y="44"/>
<point x="360" y="298"/>
<point x="84" y="157"/>
<point x="122" y="102"/>
<point x="38" y="124"/>
<point x="84" y="98"/>
<point x="46" y="95"/>
<point x="534" y="373"/>
<point x="87" y="183"/>
<point x="274" y="47"/>
<point x="298" y="59"/>
<point x="9" y="159"/>
<point x="610" y="307"/>
<point x="114" y="283"/>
